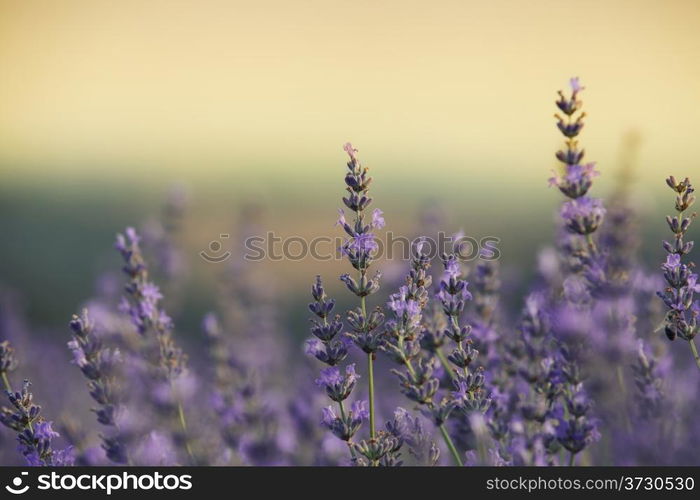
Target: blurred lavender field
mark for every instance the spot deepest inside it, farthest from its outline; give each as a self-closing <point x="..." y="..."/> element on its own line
<point x="142" y="144"/>
<point x="556" y="352"/>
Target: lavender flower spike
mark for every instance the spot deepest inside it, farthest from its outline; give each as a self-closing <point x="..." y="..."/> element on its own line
<point x="338" y="387"/>
<point x="143" y="307"/>
<point x="34" y="433"/>
<point x="359" y="249"/>
<point x="682" y="316"/>
<point x="582" y="215"/>
<point x="402" y="343"/>
<point x="99" y="366"/>
<point x="330" y="348"/>
<point x="575" y="429"/>
<point x="345" y="426"/>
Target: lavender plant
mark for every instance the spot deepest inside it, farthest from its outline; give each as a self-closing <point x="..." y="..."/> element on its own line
<point x="358" y="249"/>
<point x="681" y="318"/>
<point x="402" y="343"/>
<point x="470" y="396"/>
<point x="34" y="434"/>
<point x="582" y="215"/>
<point x="99" y="366"/>
<point x="331" y="349"/>
<point x="142" y="306"/>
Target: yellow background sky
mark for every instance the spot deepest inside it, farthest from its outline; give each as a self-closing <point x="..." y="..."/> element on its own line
<point x="186" y="88"/>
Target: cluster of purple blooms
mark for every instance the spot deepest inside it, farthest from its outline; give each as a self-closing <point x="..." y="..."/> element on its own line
<point x="528" y="401"/>
<point x="574" y="375"/>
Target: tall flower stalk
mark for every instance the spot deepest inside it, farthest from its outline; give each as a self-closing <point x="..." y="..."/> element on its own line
<point x="582" y="214"/>
<point x="470" y="396"/>
<point x="682" y="317"/>
<point x="403" y="345"/>
<point x="99" y="364"/>
<point x="34" y="434"/>
<point x="330" y="347"/>
<point x="359" y="249"/>
<point x="142" y="304"/>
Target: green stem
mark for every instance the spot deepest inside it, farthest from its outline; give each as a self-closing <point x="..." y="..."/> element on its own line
<point x="450" y="445"/>
<point x="370" y="371"/>
<point x="6" y="381"/>
<point x="694" y="348"/>
<point x="370" y="376"/>
<point x="183" y="424"/>
<point x="571" y="459"/>
<point x="445" y="364"/>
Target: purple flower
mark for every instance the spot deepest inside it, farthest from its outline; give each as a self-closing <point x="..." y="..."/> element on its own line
<point x="378" y="219"/>
<point x="363" y="243"/>
<point x="314" y="347"/>
<point x="692" y="284"/>
<point x="34" y="435"/>
<point x="575" y="84"/>
<point x="350" y="150"/>
<point x="328" y="416"/>
<point x="337" y="386"/>
<point x="406" y="310"/>
<point x="78" y="355"/>
<point x="673" y="262"/>
<point x="576" y="181"/>
<point x="43" y="430"/>
<point x="576" y="433"/>
<point x="453" y="296"/>
<point x="359" y="410"/>
<point x="151" y="293"/>
<point x="330" y="352"/>
<point x="345" y="428"/>
<point x="341" y="218"/>
<point x="583" y="215"/>
<point x="452" y="268"/>
<point x="408" y="429"/>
